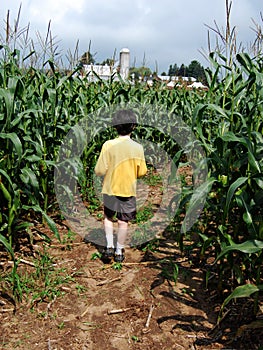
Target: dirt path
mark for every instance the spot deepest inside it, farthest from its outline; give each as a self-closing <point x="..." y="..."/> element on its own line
<point x="137" y="307"/>
<point x="156" y="301"/>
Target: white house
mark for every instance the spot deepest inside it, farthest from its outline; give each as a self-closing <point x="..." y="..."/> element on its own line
<point x="105" y="72"/>
<point x="197" y="85"/>
<point x="173" y="78"/>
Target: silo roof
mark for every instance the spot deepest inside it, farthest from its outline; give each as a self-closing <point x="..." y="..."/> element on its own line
<point x="125" y="50"/>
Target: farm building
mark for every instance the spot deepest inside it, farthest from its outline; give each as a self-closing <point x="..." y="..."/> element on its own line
<point x="105" y="72"/>
<point x="122" y="67"/>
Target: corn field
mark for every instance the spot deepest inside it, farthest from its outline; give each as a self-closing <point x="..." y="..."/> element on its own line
<point x="40" y="106"/>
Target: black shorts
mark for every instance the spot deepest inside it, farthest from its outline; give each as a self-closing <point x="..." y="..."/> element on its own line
<point x="124" y="208"/>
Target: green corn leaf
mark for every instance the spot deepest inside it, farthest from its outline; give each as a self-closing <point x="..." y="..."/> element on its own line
<point x="231" y="191"/>
<point x="243" y="291"/>
<point x="259" y="182"/>
<point x="29" y="178"/>
<point x="16" y="120"/>
<point x="4" y="173"/>
<point x="52" y="66"/>
<point x="65" y="196"/>
<point x="247" y="247"/>
<point x="245" y="61"/>
<point x="95" y="74"/>
<point x="207" y="242"/>
<point x="213" y="61"/>
<point x="52" y="97"/>
<point x="48" y="219"/>
<point x="230" y="137"/>
<point x="253" y="162"/>
<point x="251" y="157"/>
<point x="196" y="203"/>
<point x="16" y="142"/>
<point x="32" y="158"/>
<point x="38" y="146"/>
<point x="247" y="217"/>
<point x="51" y="225"/>
<point x="29" y="55"/>
<point x="6" y="193"/>
<point x="9" y="100"/>
<point x="7" y="246"/>
<point x="218" y="109"/>
<point x="62" y="81"/>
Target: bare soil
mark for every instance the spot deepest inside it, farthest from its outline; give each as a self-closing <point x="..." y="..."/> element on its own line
<point x="138" y="307"/>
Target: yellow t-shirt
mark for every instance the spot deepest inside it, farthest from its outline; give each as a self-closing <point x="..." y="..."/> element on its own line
<point x="121" y="162"/>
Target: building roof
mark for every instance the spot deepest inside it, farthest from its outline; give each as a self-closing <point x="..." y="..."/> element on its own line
<point x="197" y="85"/>
<point x="125" y="50"/>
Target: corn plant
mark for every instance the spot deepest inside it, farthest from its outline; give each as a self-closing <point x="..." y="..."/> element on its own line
<point x="233" y="143"/>
<point x="40" y="106"/>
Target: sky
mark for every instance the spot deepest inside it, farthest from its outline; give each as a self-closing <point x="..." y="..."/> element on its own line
<point x="158" y="33"/>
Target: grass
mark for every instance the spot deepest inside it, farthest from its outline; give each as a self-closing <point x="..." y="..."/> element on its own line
<point x="117" y="266"/>
<point x="152" y="178"/>
<point x="144" y="214"/>
<point x="38" y="283"/>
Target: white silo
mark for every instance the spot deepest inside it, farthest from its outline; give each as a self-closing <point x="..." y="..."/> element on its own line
<point x="124" y="63"/>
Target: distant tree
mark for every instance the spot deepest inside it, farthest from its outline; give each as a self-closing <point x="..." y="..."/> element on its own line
<point x="108" y="61"/>
<point x="87" y="58"/>
<point x="194" y="70"/>
<point x="173" y="70"/>
<point x="197" y="71"/>
<point x="140" y="72"/>
<point x="182" y="71"/>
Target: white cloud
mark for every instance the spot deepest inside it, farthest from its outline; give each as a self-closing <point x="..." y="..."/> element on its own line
<point x="54" y="10"/>
<point x="166" y="31"/>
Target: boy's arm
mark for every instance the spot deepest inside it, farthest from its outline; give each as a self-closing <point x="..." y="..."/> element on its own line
<point x="142" y="168"/>
<point x="101" y="166"/>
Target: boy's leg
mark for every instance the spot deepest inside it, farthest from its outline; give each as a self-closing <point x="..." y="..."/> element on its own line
<point x="109" y="212"/>
<point x="108" y="252"/>
<point x="122" y="235"/>
<point x="126" y="213"/>
<point x="108" y="227"/>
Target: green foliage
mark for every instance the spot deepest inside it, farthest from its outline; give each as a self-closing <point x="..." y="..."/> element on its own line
<point x="144" y="214"/>
<point x="195" y="70"/>
<point x="117" y="266"/>
<point x="42" y="283"/>
<point x="152" y="178"/>
<point x="151" y="246"/>
<point x="135" y="338"/>
<point x="40" y="106"/>
<point x="170" y="271"/>
<point x="240" y="292"/>
<point x="140" y="72"/>
<point x="96" y="255"/>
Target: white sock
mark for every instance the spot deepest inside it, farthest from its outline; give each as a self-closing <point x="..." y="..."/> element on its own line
<point x="108" y="227"/>
<point x="119" y="248"/>
<point x="109" y="238"/>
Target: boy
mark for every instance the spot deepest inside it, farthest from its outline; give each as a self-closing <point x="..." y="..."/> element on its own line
<point x="121" y="162"/>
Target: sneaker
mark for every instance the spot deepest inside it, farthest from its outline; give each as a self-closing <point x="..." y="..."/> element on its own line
<point x="107" y="254"/>
<point x="119" y="257"/>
